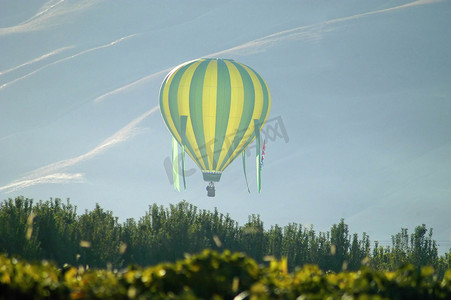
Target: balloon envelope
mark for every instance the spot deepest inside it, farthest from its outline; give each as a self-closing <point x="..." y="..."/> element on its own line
<point x="212" y="107"/>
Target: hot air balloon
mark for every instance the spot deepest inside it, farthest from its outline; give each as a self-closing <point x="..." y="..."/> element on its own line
<point x="214" y="108"/>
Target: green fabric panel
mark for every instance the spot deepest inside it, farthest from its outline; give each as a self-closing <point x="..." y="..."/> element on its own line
<point x="161" y="100"/>
<point x="222" y="109"/>
<point x="162" y="89"/>
<point x="173" y="103"/>
<point x="183" y="167"/>
<point x="172" y="96"/>
<point x="257" y="152"/>
<point x="161" y="105"/>
<point x="195" y="108"/>
<point x="248" y="110"/>
<point x="175" y="164"/>
<point x="265" y="107"/>
<point x="183" y="120"/>
<point x="244" y="170"/>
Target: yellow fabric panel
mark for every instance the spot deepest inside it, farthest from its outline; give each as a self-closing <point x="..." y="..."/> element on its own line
<point x="209" y="95"/>
<point x="183" y="107"/>
<point x="183" y="90"/>
<point x="236" y="109"/>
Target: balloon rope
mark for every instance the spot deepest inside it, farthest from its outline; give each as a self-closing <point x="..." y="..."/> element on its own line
<point x="244" y="169"/>
<point x="175" y="164"/>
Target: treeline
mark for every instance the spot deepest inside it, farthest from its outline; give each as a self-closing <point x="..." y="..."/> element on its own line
<point x="53" y="230"/>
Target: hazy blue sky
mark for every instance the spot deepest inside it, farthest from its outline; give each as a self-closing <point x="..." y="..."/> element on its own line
<point x="360" y="126"/>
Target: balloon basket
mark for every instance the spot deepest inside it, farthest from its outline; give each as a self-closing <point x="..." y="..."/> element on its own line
<point x="211" y="189"/>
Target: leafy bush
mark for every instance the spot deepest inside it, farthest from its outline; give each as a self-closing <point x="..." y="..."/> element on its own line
<point x="211" y="275"/>
<point x="22" y="280"/>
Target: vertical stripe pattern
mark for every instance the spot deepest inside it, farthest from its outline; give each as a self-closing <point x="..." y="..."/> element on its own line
<point x="220" y="98"/>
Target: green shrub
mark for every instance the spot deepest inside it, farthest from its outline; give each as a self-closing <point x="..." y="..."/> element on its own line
<point x="211" y="275"/>
<point x="22" y="280"/>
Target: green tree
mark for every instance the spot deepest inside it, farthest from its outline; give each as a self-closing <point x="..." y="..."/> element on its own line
<point x="380" y="259"/>
<point x="150" y="236"/>
<point x="56" y="229"/>
<point x="423" y="249"/>
<point x="444" y="263"/>
<point x="360" y="250"/>
<point x="253" y="238"/>
<point x="274" y="238"/>
<point x="400" y="249"/>
<point x="340" y="243"/>
<point x="320" y="249"/>
<point x="17" y="231"/>
<point x="129" y="247"/>
<point x="295" y="245"/>
<point x="179" y="234"/>
<point x="100" y="238"/>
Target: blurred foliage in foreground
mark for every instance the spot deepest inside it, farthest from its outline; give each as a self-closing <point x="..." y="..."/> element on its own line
<point x="52" y="230"/>
<point x="211" y="275"/>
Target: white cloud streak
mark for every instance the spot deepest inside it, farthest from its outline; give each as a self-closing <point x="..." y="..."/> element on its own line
<point x="131" y="85"/>
<point x="48" y="14"/>
<point x="46" y="8"/>
<point x="35" y="60"/>
<point x="51" y="178"/>
<point x="411" y="4"/>
<point x="52" y="172"/>
<point x="66" y="59"/>
<point x="309" y="32"/>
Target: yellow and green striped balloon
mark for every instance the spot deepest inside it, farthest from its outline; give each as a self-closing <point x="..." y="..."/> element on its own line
<point x="214" y="108"/>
